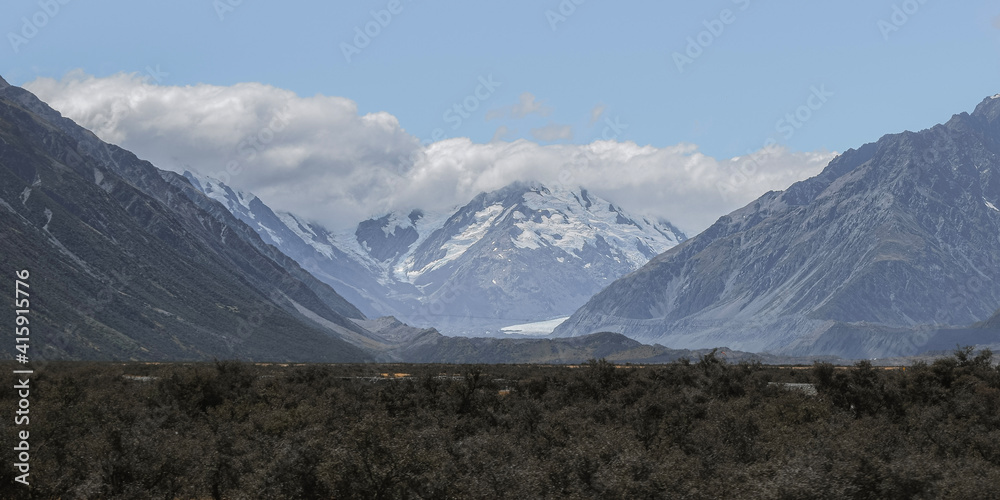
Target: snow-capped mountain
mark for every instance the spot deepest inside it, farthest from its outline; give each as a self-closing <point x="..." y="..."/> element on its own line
<point x="520" y="254"/>
<point x="356" y="277"/>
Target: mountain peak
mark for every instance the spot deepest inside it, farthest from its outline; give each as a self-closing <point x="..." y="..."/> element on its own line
<point x="514" y="190"/>
<point x="523" y="253"/>
<point x="989" y="108"/>
<point x="3" y="83"/>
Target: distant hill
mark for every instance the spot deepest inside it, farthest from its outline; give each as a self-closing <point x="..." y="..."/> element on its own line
<point x="408" y="344"/>
<point x="983" y="334"/>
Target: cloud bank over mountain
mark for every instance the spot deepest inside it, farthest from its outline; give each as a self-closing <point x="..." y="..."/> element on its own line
<point x="317" y="156"/>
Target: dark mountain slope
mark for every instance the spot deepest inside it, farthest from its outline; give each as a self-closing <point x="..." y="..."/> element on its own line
<point x="125" y="266"/>
<point x="897" y="236"/>
<point x="319" y="256"/>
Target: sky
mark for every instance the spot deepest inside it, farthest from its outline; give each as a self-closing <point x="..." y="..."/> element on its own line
<point x="339" y="110"/>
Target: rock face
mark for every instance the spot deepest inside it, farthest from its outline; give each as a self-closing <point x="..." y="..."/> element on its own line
<point x="520" y="254"/>
<point x="889" y="242"/>
<point x="130" y="262"/>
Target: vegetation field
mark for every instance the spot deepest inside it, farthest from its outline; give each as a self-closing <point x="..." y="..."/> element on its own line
<point x="692" y="429"/>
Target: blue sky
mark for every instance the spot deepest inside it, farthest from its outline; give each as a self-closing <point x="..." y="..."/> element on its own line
<point x="943" y="59"/>
<point x="656" y="106"/>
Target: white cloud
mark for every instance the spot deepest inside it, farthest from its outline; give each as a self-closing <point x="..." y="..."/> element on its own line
<point x="318" y="157"/>
<point x="526" y="105"/>
<point x="553" y="132"/>
<point x="596" y="113"/>
<point x="312" y="155"/>
<point x="677" y="183"/>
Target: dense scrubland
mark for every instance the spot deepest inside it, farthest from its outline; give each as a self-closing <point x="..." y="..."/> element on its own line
<point x="692" y="429"/>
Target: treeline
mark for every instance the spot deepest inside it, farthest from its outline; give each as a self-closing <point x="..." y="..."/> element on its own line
<point x="692" y="429"/>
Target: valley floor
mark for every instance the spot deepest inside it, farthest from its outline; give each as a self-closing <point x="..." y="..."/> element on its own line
<point x="691" y="429"/>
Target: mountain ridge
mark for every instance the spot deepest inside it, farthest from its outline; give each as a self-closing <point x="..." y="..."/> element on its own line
<point x="882" y="236"/>
<point x="472" y="269"/>
<point x="139" y="272"/>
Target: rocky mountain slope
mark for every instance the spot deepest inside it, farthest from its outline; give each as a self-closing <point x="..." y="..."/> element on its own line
<point x="519" y="254"/>
<point x="891" y="241"/>
<point x="130" y="262"/>
<point x="316" y="249"/>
